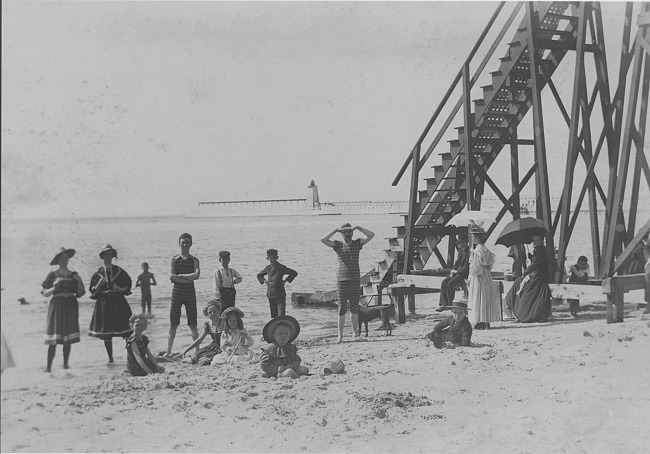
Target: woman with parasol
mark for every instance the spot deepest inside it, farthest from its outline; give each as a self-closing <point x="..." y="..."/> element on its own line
<point x="529" y="299"/>
<point x="484" y="301"/>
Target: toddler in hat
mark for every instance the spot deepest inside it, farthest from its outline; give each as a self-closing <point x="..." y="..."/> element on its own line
<point x="235" y="340"/>
<point x="455" y="329"/>
<point x="274" y="275"/>
<point x="281" y="358"/>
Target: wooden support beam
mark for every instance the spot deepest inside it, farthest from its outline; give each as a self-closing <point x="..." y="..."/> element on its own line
<point x="467" y="117"/>
<point x="413" y="212"/>
<point x="612" y="241"/>
<point x="542" y="186"/>
<point x="615" y="288"/>
<point x="625" y="255"/>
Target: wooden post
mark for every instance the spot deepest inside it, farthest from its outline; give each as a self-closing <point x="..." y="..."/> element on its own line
<point x="411" y="299"/>
<point x="614" y="300"/>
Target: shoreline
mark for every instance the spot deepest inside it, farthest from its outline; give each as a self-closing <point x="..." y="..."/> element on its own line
<point x="571" y="385"/>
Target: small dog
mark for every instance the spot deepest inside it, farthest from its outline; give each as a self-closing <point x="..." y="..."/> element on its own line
<point x="383" y="313"/>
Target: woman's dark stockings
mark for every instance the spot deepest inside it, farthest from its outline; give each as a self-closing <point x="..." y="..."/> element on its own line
<point x="109" y="349"/>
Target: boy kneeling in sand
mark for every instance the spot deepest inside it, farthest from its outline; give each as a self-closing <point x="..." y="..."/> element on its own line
<point x="456" y="329"/>
<point x="281" y="358"/>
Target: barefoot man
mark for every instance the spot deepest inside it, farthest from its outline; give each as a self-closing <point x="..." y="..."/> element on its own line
<point x="184" y="271"/>
<point x="348" y="282"/>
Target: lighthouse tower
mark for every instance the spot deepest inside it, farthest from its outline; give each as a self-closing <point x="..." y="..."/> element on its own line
<point x="312" y="198"/>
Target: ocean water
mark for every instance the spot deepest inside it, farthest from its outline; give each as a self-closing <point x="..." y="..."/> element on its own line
<point x="28" y="246"/>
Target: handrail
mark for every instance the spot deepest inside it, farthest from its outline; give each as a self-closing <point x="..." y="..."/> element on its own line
<point x="475" y="77"/>
<point x="447" y="95"/>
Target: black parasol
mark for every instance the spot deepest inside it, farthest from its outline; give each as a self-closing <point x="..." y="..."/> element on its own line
<point x="521" y="231"/>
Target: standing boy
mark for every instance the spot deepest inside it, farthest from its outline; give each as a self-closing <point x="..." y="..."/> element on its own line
<point x="275" y="273"/>
<point x="184" y="271"/>
<point x="224" y="282"/>
<point x="145" y="281"/>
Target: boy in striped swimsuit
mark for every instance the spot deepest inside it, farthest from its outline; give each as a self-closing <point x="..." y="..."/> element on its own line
<point x="348" y="285"/>
<point x="184" y="271"/>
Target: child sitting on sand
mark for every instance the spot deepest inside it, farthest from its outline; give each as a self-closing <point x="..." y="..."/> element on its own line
<point x="214" y="328"/>
<point x="140" y="361"/>
<point x="455" y="330"/>
<point x="281" y="358"/>
<point x="235" y="340"/>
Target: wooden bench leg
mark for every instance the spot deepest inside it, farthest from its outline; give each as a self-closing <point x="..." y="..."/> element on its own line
<point x="615" y="295"/>
<point x="411" y="300"/>
<point x="615" y="306"/>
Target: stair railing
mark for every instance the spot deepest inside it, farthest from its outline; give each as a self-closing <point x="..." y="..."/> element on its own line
<point x="414" y="156"/>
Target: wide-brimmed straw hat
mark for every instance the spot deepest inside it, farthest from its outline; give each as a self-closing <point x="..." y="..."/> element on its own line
<point x="60" y="251"/>
<point x="476" y="230"/>
<point x="107" y="248"/>
<point x="237" y="311"/>
<point x="292" y="323"/>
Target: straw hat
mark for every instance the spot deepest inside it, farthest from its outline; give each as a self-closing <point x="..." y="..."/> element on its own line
<point x="107" y="248"/>
<point x="62" y="250"/>
<point x="475" y="229"/>
<point x="292" y="323"/>
<point x="225" y="313"/>
<point x="459" y="305"/>
<point x="346" y="226"/>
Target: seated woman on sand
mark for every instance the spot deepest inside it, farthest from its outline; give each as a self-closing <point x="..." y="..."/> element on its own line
<point x="529" y="299"/>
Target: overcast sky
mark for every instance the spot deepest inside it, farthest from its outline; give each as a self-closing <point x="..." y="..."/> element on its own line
<point x="128" y="108"/>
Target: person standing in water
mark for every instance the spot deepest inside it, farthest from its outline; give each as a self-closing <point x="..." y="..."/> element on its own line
<point x="184" y="271"/>
<point x="348" y="285"/>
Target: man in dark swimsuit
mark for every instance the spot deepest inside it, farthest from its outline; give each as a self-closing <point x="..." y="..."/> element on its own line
<point x="184" y="271"/>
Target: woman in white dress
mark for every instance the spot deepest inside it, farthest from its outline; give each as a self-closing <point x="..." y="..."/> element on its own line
<point x="484" y="299"/>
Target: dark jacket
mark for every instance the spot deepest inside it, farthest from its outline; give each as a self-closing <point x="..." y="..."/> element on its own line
<point x="274" y="356"/>
<point x="538" y="264"/>
<point x="275" y="275"/>
<point x="459" y="333"/>
<point x="462" y="264"/>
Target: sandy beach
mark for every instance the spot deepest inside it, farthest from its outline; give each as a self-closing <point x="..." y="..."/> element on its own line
<point x="572" y="385"/>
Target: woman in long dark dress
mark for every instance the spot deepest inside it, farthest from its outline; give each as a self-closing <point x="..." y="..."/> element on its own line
<point x="108" y="286"/>
<point x="65" y="286"/>
<point x="533" y="302"/>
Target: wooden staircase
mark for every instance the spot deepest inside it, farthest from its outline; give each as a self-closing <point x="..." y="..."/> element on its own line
<point x="496" y="116"/>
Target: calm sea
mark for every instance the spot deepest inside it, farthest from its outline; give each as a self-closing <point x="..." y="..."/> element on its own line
<point x="28" y="246"/>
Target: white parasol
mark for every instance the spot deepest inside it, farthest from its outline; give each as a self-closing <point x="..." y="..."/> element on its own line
<point x="469" y="217"/>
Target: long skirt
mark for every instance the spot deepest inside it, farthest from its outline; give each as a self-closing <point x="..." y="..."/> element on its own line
<point x="484" y="299"/>
<point x="533" y="304"/>
<point x="205" y="354"/>
<point x="111" y="316"/>
<point x="62" y="321"/>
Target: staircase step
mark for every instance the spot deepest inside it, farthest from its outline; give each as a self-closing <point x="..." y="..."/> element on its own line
<point x="432" y="183"/>
<point x="558" y="17"/>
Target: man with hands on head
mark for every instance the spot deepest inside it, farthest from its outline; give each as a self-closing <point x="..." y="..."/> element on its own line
<point x="348" y="285"/>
